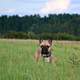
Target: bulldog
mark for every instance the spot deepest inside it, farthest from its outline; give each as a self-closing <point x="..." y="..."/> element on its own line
<point x="44" y="50"/>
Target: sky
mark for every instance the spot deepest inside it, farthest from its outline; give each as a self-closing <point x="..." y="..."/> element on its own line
<point x="42" y="7"/>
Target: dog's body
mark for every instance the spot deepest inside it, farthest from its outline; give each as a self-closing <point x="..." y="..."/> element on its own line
<point x="45" y="50"/>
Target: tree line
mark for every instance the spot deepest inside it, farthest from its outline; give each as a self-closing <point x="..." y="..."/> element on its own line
<point x="55" y="26"/>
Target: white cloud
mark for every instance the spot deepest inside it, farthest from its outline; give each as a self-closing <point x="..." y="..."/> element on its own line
<point x="5" y="10"/>
<point x="55" y="6"/>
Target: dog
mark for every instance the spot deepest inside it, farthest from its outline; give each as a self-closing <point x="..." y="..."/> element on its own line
<point x="44" y="50"/>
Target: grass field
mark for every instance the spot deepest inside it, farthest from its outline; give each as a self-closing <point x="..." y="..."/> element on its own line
<point x="17" y="61"/>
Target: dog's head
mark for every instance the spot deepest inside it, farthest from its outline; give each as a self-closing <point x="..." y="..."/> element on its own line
<point x="45" y="45"/>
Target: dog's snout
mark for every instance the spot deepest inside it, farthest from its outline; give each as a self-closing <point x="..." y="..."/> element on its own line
<point x="44" y="49"/>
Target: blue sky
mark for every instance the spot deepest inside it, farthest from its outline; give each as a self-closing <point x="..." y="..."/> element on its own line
<point x="42" y="7"/>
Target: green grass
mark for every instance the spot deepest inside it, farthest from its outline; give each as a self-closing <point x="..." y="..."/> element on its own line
<point x="17" y="61"/>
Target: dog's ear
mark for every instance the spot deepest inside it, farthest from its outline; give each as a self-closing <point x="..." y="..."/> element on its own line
<point x="40" y="41"/>
<point x="50" y="41"/>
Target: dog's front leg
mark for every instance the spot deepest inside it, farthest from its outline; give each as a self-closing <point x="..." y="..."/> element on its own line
<point x="38" y="54"/>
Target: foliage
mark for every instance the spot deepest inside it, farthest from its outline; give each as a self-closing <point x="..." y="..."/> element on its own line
<point x="65" y="25"/>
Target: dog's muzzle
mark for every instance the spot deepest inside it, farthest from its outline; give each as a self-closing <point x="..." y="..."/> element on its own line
<point x="45" y="52"/>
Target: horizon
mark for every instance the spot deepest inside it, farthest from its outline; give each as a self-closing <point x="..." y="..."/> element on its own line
<point x="40" y="15"/>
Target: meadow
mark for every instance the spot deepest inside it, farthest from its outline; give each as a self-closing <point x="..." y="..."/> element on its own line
<point x="17" y="61"/>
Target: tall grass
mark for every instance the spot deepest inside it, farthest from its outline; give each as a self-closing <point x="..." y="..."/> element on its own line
<point x="17" y="61"/>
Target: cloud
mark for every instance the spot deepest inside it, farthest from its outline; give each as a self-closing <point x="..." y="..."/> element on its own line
<point x="5" y="10"/>
<point x="55" y="6"/>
